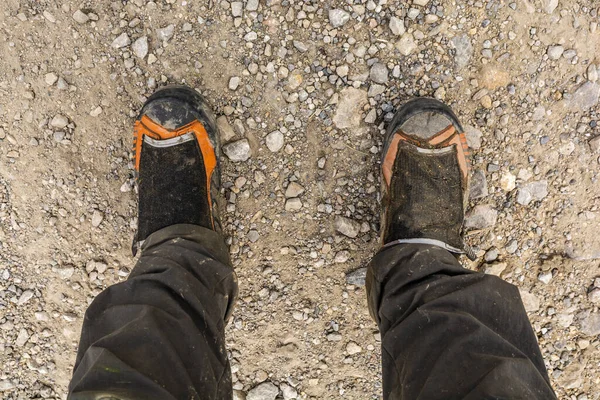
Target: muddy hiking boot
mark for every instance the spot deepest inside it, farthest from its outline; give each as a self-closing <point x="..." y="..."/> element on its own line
<point x="425" y="175"/>
<point x="176" y="154"/>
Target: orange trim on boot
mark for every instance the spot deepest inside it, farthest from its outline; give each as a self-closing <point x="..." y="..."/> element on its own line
<point x="147" y="127"/>
<point x="445" y="138"/>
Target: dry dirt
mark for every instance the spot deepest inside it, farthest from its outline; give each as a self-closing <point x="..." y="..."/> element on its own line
<point x="69" y="93"/>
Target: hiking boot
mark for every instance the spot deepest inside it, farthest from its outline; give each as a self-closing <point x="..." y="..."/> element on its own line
<point x="425" y="177"/>
<point x="176" y="153"/>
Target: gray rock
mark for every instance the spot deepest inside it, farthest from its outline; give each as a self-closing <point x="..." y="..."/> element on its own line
<point x="293" y="190"/>
<point x="226" y="132"/>
<point x="375" y="89"/>
<point x="166" y="33"/>
<point x="294" y="204"/>
<point x="275" y="141"/>
<point x="473" y="136"/>
<point x="251" y="36"/>
<point x="594" y="296"/>
<point x="264" y="391"/>
<point x="555" y="52"/>
<point x="238" y="151"/>
<point x="140" y="47"/>
<point x="237" y="8"/>
<point x="533" y="191"/>
<point x="59" y="122"/>
<point x="121" y="41"/>
<point x="491" y="255"/>
<point x="397" y="26"/>
<point x="301" y="47"/>
<point x="463" y="50"/>
<point x="289" y="393"/>
<point x="478" y="187"/>
<point x="590" y="325"/>
<point x="481" y="217"/>
<point x="252" y="5"/>
<point x="584" y="98"/>
<point x="338" y="17"/>
<point x="357" y="277"/>
<point x="379" y="73"/>
<point x="512" y="247"/>
<point x="253" y="236"/>
<point x="346" y="226"/>
<point x="350" y="107"/>
<point x="80" y="17"/>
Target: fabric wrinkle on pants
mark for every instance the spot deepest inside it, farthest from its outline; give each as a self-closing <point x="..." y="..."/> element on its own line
<point x="451" y="333"/>
<point x="160" y="334"/>
<point x="447" y="332"/>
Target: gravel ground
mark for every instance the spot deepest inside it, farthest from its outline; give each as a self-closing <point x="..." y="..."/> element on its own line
<point x="304" y="89"/>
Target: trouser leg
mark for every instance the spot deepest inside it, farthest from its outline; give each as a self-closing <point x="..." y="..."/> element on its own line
<point x="450" y="333"/>
<point x="160" y="334"/>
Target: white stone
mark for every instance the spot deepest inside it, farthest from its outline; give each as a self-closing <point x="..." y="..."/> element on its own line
<point x="22" y="337"/>
<point x="226" y="132"/>
<point x="294" y="190"/>
<point x="238" y="151"/>
<point x="140" y="47"/>
<point x="121" y="41"/>
<point x="166" y="33"/>
<point x="97" y="218"/>
<point x="96" y="111"/>
<point x="530" y="301"/>
<point x="349" y="110"/>
<point x="346" y="226"/>
<point x="545" y="277"/>
<point x="264" y="391"/>
<point x="406" y="45"/>
<point x="554" y="52"/>
<point x="508" y="182"/>
<point x="592" y="73"/>
<point x="80" y="17"/>
<point x="397" y="26"/>
<point x="294" y="204"/>
<point x="234" y="82"/>
<point x="275" y="141"/>
<point x="532" y="191"/>
<point x="353" y="348"/>
<point x="550" y="6"/>
<point x="338" y="17"/>
<point x="237" y="8"/>
<point x="59" y="122"/>
<point x="50" y="78"/>
<point x="252" y="5"/>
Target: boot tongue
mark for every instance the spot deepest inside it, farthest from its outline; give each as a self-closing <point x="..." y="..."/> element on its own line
<point x="426" y="196"/>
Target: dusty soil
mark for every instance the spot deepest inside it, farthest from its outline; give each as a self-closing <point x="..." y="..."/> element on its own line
<point x="521" y="75"/>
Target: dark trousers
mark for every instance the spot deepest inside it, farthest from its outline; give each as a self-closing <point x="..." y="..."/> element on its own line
<point x="447" y="333"/>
